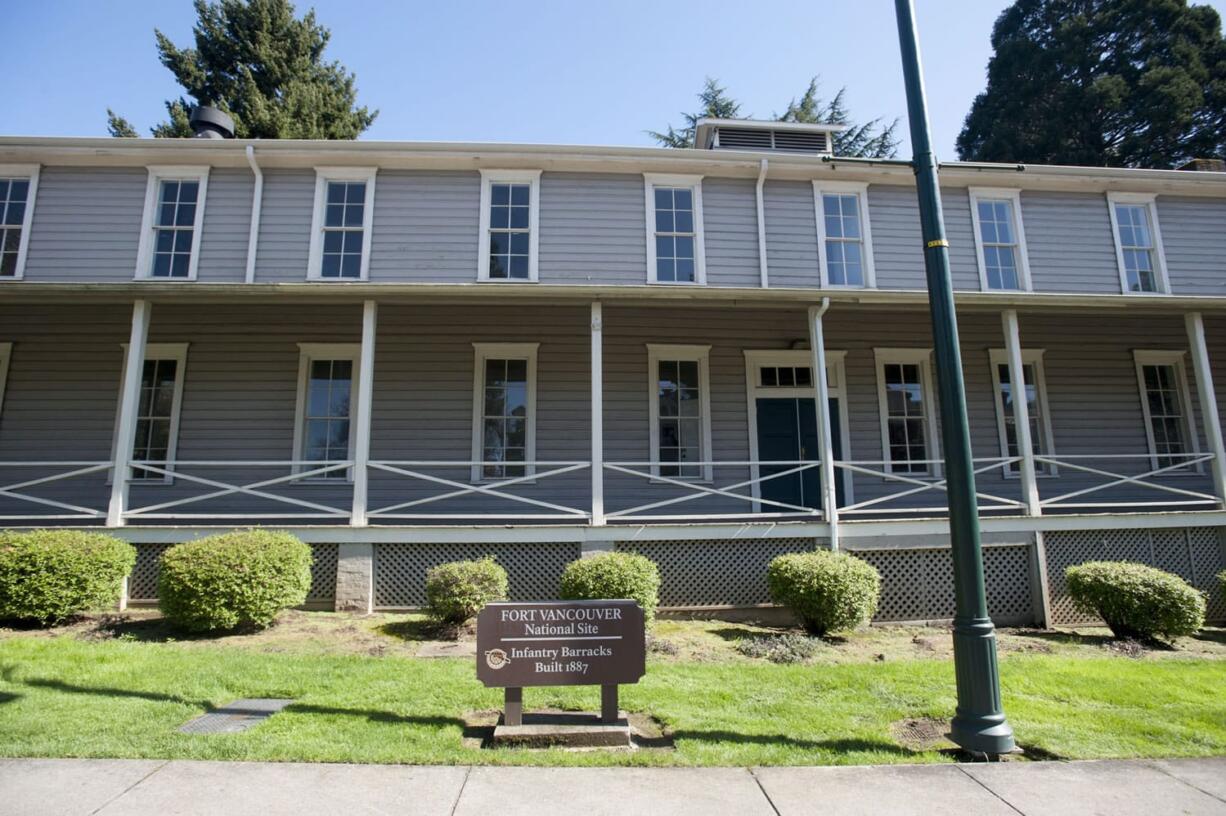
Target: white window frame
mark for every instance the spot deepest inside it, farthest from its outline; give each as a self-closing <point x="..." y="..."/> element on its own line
<point x="153" y="190"/>
<point x="308" y="353"/>
<point x="323" y="175"/>
<point x="922" y="358"/>
<point x="657" y="352"/>
<point x="1014" y="197"/>
<point x="694" y="183"/>
<point x="1174" y="358"/>
<point x="155" y="351"/>
<point x="6" y="354"/>
<point x="836" y="386"/>
<point x="860" y="190"/>
<point x="1150" y="202"/>
<point x="27" y="171"/>
<point x="503" y="351"/>
<point x="488" y="179"/>
<point x="1034" y="358"/>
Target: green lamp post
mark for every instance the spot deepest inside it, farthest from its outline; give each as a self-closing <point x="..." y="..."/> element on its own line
<point x="979" y="724"/>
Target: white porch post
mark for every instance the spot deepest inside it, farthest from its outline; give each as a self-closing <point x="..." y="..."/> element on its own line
<point x="825" y="439"/>
<point x="361" y="445"/>
<point x="598" y="519"/>
<point x="1208" y="401"/>
<point x="1021" y="412"/>
<point x="128" y="404"/>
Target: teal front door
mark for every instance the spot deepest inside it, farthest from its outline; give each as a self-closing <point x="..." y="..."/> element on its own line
<point x="787" y="432"/>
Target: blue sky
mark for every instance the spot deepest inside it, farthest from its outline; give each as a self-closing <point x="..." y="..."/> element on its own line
<point x="553" y="72"/>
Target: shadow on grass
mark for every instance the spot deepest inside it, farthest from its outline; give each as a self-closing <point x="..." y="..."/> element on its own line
<point x="156" y="630"/>
<point x="1211" y="636"/>
<point x="425" y="629"/>
<point x="837" y="746"/>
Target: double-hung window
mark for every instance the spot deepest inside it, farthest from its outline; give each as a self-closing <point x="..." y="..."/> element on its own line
<point x="1138" y="242"/>
<point x="327" y="393"/>
<point x="1000" y="243"/>
<point x="1034" y="392"/>
<point x="679" y="395"/>
<point x="844" y="237"/>
<point x="1166" y="404"/>
<point x="908" y="421"/>
<point x="509" y="232"/>
<point x="18" y="184"/>
<point x="675" y="251"/>
<point x="341" y="225"/>
<point x="504" y="410"/>
<point x="157" y="409"/>
<point x="174" y="214"/>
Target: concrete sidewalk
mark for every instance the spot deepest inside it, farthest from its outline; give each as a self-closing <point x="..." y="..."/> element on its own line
<point x="33" y="787"/>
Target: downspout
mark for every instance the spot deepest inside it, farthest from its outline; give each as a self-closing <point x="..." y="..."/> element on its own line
<point x="765" y="280"/>
<point x="825" y="435"/>
<point x="257" y="198"/>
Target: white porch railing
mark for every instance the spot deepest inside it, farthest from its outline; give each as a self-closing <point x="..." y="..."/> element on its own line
<point x="300" y="471"/>
<point x="17" y="490"/>
<point x="493" y="489"/>
<point x="920" y="484"/>
<point x="699" y="490"/>
<point x="1186" y="465"/>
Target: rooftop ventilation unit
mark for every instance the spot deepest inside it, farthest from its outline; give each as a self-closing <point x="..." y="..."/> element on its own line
<point x="779" y="137"/>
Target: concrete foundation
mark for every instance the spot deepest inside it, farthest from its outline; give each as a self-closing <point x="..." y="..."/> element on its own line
<point x="565" y="729"/>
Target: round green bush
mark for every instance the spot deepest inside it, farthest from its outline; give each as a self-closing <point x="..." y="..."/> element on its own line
<point x="457" y="591"/>
<point x="1136" y="601"/>
<point x="244" y="578"/>
<point x="827" y="591"/>
<point x="614" y="576"/>
<point x="50" y="575"/>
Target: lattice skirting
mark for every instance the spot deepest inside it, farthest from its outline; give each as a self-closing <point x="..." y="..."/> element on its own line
<point x="534" y="570"/>
<point x="1195" y="554"/>
<point x="143" y="582"/>
<point x="719" y="572"/>
<point x="918" y="584"/>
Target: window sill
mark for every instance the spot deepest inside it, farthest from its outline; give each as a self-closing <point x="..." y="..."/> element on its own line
<point x="156" y="279"/>
<point x="675" y="283"/>
<point x="507" y="280"/>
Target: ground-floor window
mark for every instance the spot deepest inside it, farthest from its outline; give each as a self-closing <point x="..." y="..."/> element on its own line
<point x="1165" y="403"/>
<point x="678" y="392"/>
<point x="904" y="393"/>
<point x="157" y="409"/>
<point x="327" y="391"/>
<point x="1035" y="394"/>
<point x="504" y="410"/>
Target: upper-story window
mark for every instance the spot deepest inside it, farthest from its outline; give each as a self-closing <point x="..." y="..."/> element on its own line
<point x="341" y="227"/>
<point x="675" y="251"/>
<point x="510" y="205"/>
<point x="1138" y="242"/>
<point x="1000" y="242"/>
<point x="18" y="184"/>
<point x="174" y="213"/>
<point x="908" y="418"/>
<point x="844" y="236"/>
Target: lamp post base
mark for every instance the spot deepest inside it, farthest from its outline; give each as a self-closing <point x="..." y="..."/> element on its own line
<point x="979" y="725"/>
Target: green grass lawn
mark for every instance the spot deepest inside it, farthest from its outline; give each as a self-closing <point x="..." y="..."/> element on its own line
<point x="74" y="694"/>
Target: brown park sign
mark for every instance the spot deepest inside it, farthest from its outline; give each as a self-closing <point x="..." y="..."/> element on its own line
<point x="560" y="643"/>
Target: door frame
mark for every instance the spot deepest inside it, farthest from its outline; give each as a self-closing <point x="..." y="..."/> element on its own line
<point x="836" y="374"/>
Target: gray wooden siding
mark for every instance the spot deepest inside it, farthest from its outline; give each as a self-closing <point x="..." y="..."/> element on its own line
<point x="1194" y="236"/>
<point x="730" y="232"/>
<point x="86" y="224"/>
<point x="898" y="242"/>
<point x="284" y="245"/>
<point x="791" y="234"/>
<point x="593" y="229"/>
<point x="1068" y="238"/>
<point x="424" y="227"/>
<point x="241" y="384"/>
<point x="226" y="226"/>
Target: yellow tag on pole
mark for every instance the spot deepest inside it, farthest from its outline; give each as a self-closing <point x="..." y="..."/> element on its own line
<point x="940" y="242"/>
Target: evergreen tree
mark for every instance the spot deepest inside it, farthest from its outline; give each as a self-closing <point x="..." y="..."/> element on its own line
<point x="870" y="139"/>
<point x="258" y="62"/>
<point x="1127" y="83"/>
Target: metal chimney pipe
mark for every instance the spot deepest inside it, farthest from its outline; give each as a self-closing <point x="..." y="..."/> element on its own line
<point x="210" y="123"/>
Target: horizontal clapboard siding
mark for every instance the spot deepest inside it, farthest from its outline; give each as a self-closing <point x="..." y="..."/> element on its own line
<point x="1194" y="236"/>
<point x="1068" y="236"/>
<point x="226" y="227"/>
<point x="593" y="229"/>
<point x="730" y="226"/>
<point x="425" y="227"/>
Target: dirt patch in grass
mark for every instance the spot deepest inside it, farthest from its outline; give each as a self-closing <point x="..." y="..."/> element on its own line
<point x="922" y="734"/>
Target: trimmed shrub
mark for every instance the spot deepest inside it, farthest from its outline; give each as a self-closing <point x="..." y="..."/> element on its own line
<point x="1136" y="601"/>
<point x="50" y="575"/>
<point x="455" y="592"/>
<point x="614" y="576"/>
<point x="827" y="591"/>
<point x="244" y="578"/>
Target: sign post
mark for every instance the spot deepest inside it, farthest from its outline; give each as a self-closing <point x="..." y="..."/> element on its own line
<point x="560" y="643"/>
